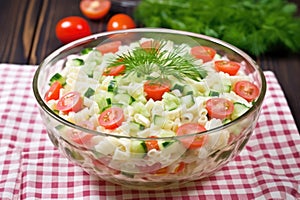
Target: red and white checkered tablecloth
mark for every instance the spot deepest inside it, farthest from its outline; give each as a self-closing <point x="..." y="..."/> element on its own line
<point x="32" y="168"/>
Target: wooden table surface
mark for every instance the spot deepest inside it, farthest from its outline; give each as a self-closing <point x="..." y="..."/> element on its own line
<point x="27" y="36"/>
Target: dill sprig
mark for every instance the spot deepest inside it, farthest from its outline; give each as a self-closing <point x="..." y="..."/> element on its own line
<point x="156" y="63"/>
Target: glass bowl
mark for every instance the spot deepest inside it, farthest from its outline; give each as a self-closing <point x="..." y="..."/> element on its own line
<point x="132" y="156"/>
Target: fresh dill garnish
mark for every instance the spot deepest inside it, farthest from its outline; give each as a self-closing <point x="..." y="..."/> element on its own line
<point x="157" y="63"/>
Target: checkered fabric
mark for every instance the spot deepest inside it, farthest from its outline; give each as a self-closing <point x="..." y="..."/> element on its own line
<point x="32" y="168"/>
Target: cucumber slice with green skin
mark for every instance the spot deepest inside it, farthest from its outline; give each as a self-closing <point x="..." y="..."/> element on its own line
<point x="86" y="51"/>
<point x="77" y="62"/>
<point x="57" y="77"/>
<point x="179" y="87"/>
<point x="135" y="127"/>
<point x="213" y="93"/>
<point x="112" y="86"/>
<point x="171" y="102"/>
<point x="138" y="148"/>
<point x="125" y="99"/>
<point x="159" y="120"/>
<point x="89" y="92"/>
<point x="188" y="100"/>
<point x="103" y="101"/>
<point x="239" y="110"/>
<point x="188" y="90"/>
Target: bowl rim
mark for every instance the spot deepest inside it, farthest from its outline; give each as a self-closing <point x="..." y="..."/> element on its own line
<point x="54" y="54"/>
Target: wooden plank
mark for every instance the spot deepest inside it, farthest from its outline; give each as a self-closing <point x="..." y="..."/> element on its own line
<point x="17" y="20"/>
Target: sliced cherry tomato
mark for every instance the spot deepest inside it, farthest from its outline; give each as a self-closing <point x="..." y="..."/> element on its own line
<point x="80" y="137"/>
<point x="219" y="108"/>
<point x="114" y="71"/>
<point x="110" y="47"/>
<point x="95" y="9"/>
<point x="72" y="28"/>
<point x="192" y="142"/>
<point x="179" y="168"/>
<point x="152" y="144"/>
<point x="71" y="101"/>
<point x="228" y="67"/>
<point x="247" y="90"/>
<point x="150" y="44"/>
<point x="53" y="92"/>
<point x="203" y="52"/>
<point x="111" y="118"/>
<point x="155" y="91"/>
<point x="120" y="22"/>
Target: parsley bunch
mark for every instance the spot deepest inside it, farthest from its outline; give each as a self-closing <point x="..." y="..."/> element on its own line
<point x="256" y="26"/>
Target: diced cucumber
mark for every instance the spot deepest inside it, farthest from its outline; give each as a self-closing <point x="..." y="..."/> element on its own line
<point x="103" y="101"/>
<point x="171" y="102"/>
<point x="239" y="110"/>
<point x="86" y="51"/>
<point x="213" y="93"/>
<point x="125" y="99"/>
<point x="112" y="86"/>
<point x="138" y="148"/>
<point x="57" y="77"/>
<point x="159" y="120"/>
<point x="77" y="62"/>
<point x="188" y="90"/>
<point x="89" y="92"/>
<point x="135" y="127"/>
<point x="179" y="87"/>
<point x="140" y="108"/>
<point x="188" y="100"/>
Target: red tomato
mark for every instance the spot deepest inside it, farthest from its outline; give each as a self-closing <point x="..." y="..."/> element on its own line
<point x="53" y="92"/>
<point x="203" y="52"/>
<point x="219" y="108"/>
<point x="155" y="91"/>
<point x="228" y="67"/>
<point x="71" y="101"/>
<point x="152" y="144"/>
<point x="81" y="138"/>
<point x="150" y="44"/>
<point x="95" y="9"/>
<point x="114" y="71"/>
<point x="111" y="118"/>
<point x="192" y="142"/>
<point x="120" y="22"/>
<point x="110" y="47"/>
<point x="247" y="90"/>
<point x="72" y="28"/>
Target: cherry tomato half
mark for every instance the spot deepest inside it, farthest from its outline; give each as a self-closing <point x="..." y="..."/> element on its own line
<point x="53" y="92"/>
<point x="219" y="108"/>
<point x="152" y="144"/>
<point x="95" y="9"/>
<point x="192" y="142"/>
<point x="71" y="101"/>
<point x="203" y="52"/>
<point x="120" y="22"/>
<point x="109" y="47"/>
<point x="228" y="67"/>
<point x="247" y="90"/>
<point x="72" y="28"/>
<point x="150" y="44"/>
<point x="114" y="71"/>
<point x="111" y="118"/>
<point x="155" y="91"/>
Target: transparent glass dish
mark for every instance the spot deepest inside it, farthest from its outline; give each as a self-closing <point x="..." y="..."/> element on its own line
<point x="159" y="169"/>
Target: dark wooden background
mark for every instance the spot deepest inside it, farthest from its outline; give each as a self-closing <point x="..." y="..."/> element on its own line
<point x="27" y="36"/>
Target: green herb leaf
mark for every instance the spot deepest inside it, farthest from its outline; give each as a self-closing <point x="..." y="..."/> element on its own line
<point x="254" y="26"/>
